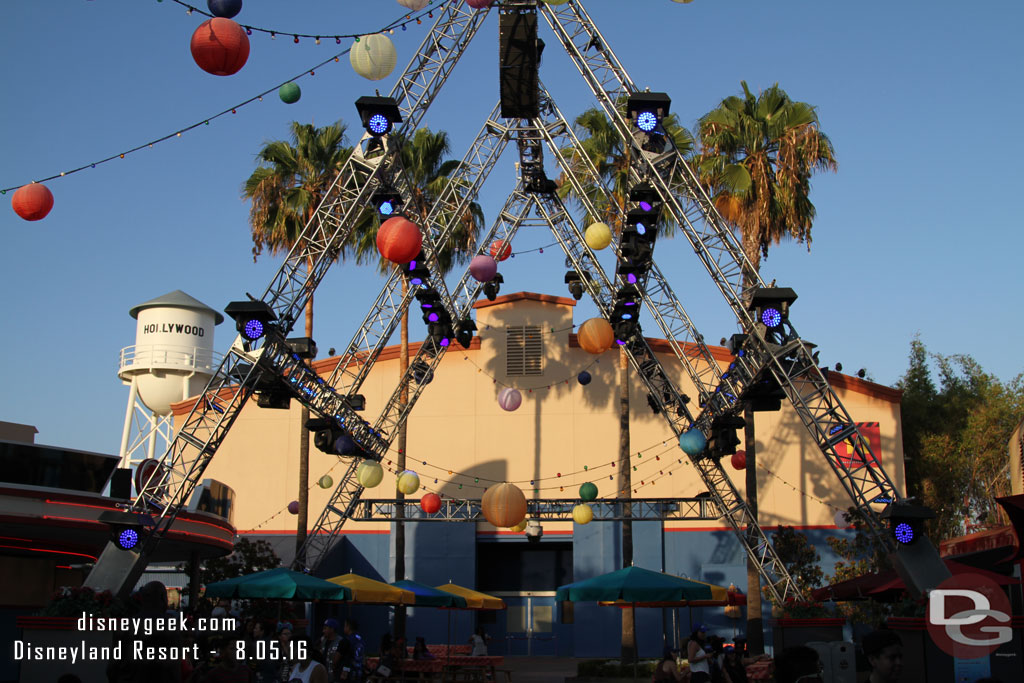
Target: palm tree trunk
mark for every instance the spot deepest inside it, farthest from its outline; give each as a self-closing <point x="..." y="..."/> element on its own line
<point x="626" y="491"/>
<point x="403" y="399"/>
<point x="303" y="521"/>
<point x="755" y="619"/>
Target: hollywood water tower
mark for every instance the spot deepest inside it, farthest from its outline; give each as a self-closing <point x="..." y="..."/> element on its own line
<point x="172" y="359"/>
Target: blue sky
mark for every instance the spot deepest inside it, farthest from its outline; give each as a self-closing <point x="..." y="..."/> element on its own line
<point x="918" y="232"/>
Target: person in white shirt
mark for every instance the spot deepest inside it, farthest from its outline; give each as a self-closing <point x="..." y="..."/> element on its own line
<point x="479" y="642"/>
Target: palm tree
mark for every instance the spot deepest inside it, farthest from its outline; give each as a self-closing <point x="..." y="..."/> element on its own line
<point x="757" y="157"/>
<point x="607" y="151"/>
<point x="287" y="187"/>
<point x="428" y="175"/>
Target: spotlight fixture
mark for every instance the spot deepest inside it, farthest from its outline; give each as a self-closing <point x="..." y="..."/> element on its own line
<point x="493" y="286"/>
<point x="647" y="109"/>
<point x="723" y="439"/>
<point x="839" y="367"/>
<point x="303" y="347"/>
<point x="326" y="433"/>
<point x="421" y="372"/>
<point x="862" y="373"/>
<point x="378" y="114"/>
<point x="252" y="318"/>
<point x="653" y="403"/>
<point x="770" y="306"/>
<point x="127" y="530"/>
<point x="575" y="282"/>
<point x="464" y="332"/>
<point x="416" y="271"/>
<point x="645" y="196"/>
<point x="387" y="202"/>
<point x="906" y="520"/>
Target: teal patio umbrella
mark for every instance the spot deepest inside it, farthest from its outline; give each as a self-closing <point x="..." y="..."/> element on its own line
<point x="282" y="583"/>
<point x="428" y="596"/>
<point x="635" y="585"/>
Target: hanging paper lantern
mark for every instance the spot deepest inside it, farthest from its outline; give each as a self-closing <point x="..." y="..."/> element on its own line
<point x="500" y="250"/>
<point x="430" y="503"/>
<point x="598" y="236"/>
<point x="739" y="460"/>
<point x="582" y="513"/>
<point x="344" y="445"/>
<point x="483" y="268"/>
<point x="224" y="8"/>
<point x="583" y="378"/>
<point x="509" y="399"/>
<point x="588" y="491"/>
<point x="289" y="93"/>
<point x="369" y="473"/>
<point x="685" y="2"/>
<point x="519" y="527"/>
<point x="293" y="507"/>
<point x="408" y="482"/>
<point x="414" y="5"/>
<point x="503" y="505"/>
<point x="399" y="240"/>
<point x="32" y="202"/>
<point x="220" y="47"/>
<point x="840" y="520"/>
<point x="692" y="442"/>
<point x="556" y="2"/>
<point x="478" y="4"/>
<point x="326" y="481"/>
<point x="373" y="57"/>
<point x="596" y="336"/>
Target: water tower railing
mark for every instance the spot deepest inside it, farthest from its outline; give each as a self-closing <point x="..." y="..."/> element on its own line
<point x="169" y="357"/>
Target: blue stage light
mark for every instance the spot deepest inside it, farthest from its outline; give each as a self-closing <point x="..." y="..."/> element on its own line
<point x="128" y="539"/>
<point x="646" y="121"/>
<point x="904" y="533"/>
<point x="253" y="330"/>
<point x="771" y="317"/>
<point x="378" y="124"/>
<point x="646" y="206"/>
<point x="641" y="229"/>
<point x="386" y="208"/>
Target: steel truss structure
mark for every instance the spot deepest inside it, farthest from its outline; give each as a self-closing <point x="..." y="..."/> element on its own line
<point x="376" y="164"/>
<point x="700" y="508"/>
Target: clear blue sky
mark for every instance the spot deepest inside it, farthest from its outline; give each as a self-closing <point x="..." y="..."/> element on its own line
<point x="918" y="232"/>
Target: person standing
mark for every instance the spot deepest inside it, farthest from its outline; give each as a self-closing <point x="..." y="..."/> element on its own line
<point x="666" y="671"/>
<point x="479" y="642"/>
<point x="329" y="647"/>
<point x="699" y="655"/>
<point x="358" y="649"/>
<point x="884" y="651"/>
<point x="309" y="667"/>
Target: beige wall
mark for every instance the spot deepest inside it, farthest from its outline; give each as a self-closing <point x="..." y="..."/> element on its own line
<point x="561" y="427"/>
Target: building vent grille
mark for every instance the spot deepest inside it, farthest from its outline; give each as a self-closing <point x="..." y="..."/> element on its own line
<point x="524" y="351"/>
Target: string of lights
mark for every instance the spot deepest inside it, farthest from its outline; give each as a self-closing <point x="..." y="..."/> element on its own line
<point x="529" y="390"/>
<point x="229" y="111"/>
<point x="799" y="490"/>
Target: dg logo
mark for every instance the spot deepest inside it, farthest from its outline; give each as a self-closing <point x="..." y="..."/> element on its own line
<point x="969" y="616"/>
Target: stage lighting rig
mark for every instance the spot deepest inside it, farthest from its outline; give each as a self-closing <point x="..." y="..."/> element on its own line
<point x="770" y="306"/>
<point x="378" y="114"/>
<point x="303" y="347"/>
<point x="464" y="332"/>
<point x="575" y="282"/>
<point x="252" y="318"/>
<point x="493" y="286"/>
<point x="387" y="202"/>
<point x="128" y="531"/>
<point x="723" y="439"/>
<point x="416" y="271"/>
<point x="646" y="196"/>
<point x="647" y="109"/>
<point x="906" y="520"/>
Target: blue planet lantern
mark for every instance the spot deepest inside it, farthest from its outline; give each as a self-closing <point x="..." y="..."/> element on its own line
<point x="224" y="8"/>
<point x="692" y="442"/>
<point x="583" y="378"/>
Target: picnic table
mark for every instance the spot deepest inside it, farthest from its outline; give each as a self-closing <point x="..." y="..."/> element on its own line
<point x="760" y="671"/>
<point x="454" y="668"/>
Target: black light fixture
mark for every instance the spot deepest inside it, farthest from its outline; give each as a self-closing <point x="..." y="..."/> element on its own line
<point x="646" y="196"/>
<point x="252" y="318"/>
<point x="653" y="404"/>
<point x="128" y="531"/>
<point x="378" y="114"/>
<point x="770" y="306"/>
<point x="276" y="399"/>
<point x="430" y="305"/>
<point x="387" y="202"/>
<point x="464" y="332"/>
<point x="303" y="347"/>
<point x="647" y="109"/>
<point x="421" y="372"/>
<point x="906" y="520"/>
<point x="416" y="271"/>
<point x="723" y="439"/>
<point x="326" y="433"/>
<point x="493" y="286"/>
<point x="575" y="282"/>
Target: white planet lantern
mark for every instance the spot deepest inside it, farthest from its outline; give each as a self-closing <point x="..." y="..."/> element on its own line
<point x="414" y="5"/>
<point x="373" y="56"/>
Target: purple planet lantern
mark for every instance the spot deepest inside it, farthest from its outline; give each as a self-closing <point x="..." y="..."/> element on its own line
<point x="293" y="507"/>
<point x="509" y="399"/>
<point x="483" y="268"/>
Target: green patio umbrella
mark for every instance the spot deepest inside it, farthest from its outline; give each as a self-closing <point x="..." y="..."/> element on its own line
<point x="428" y="596"/>
<point x="634" y="585"/>
<point x="282" y="583"/>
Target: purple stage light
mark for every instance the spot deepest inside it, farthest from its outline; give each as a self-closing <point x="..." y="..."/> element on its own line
<point x="771" y="317"/>
<point x="433" y="317"/>
<point x="128" y="539"/>
<point x="378" y="124"/>
<point x="253" y="330"/>
<point x="904" y="533"/>
<point x="646" y="206"/>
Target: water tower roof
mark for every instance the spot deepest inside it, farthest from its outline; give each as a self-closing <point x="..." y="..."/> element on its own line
<point x="176" y="299"/>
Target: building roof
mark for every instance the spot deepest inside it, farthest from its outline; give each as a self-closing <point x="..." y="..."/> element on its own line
<point x="176" y="299"/>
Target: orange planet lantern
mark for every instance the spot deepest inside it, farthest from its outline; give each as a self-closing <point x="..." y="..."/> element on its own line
<point x="596" y="336"/>
<point x="399" y="240"/>
<point x="220" y="47"/>
<point x="32" y="202"/>
<point x="504" y="505"/>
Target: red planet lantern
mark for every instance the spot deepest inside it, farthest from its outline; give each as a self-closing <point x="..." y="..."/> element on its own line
<point x="478" y="4"/>
<point x="220" y="47"/>
<point x="500" y="250"/>
<point x="32" y="202"/>
<point x="739" y="460"/>
<point x="399" y="240"/>
<point x="430" y="503"/>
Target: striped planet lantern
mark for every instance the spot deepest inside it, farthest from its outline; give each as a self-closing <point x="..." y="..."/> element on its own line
<point x="478" y="4"/>
<point x="596" y="336"/>
<point x="399" y="240"/>
<point x="32" y="202"/>
<point x="500" y="250"/>
<point x="504" y="505"/>
<point x="509" y="399"/>
<point x="598" y="236"/>
<point x="224" y="8"/>
<point x="588" y="491"/>
<point x="220" y="47"/>
<point x="582" y="513"/>
<point x="373" y="57"/>
<point x="326" y="481"/>
<point x="414" y="5"/>
<point x="408" y="482"/>
<point x="483" y="268"/>
<point x="519" y="527"/>
<point x="583" y="378"/>
<point x="369" y="473"/>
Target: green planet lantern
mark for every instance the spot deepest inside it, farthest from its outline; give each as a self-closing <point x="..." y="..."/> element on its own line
<point x="369" y="473"/>
<point x="289" y="93"/>
<point x="588" y="491"/>
<point x="326" y="482"/>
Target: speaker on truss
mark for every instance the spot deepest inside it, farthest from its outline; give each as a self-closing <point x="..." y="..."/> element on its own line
<point x="121" y="483"/>
<point x="519" y="59"/>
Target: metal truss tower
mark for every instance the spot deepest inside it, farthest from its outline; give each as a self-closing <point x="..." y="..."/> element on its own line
<point x="273" y="366"/>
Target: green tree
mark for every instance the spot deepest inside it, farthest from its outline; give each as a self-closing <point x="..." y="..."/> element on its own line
<point x="247" y="557"/>
<point x="292" y="178"/>
<point x="858" y="556"/>
<point x="800" y="557"/>
<point x="429" y="175"/>
<point x="603" y="147"/>
<point x="757" y="156"/>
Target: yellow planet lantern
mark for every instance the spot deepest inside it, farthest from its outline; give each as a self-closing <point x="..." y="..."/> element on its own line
<point x="582" y="513"/>
<point x="598" y="236"/>
<point x="504" y="505"/>
<point x="596" y="336"/>
<point x="408" y="482"/>
<point x="519" y="527"/>
<point x="326" y="481"/>
<point x="369" y="473"/>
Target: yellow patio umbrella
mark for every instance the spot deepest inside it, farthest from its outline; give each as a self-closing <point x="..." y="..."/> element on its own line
<point x="369" y="592"/>
<point x="474" y="599"/>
